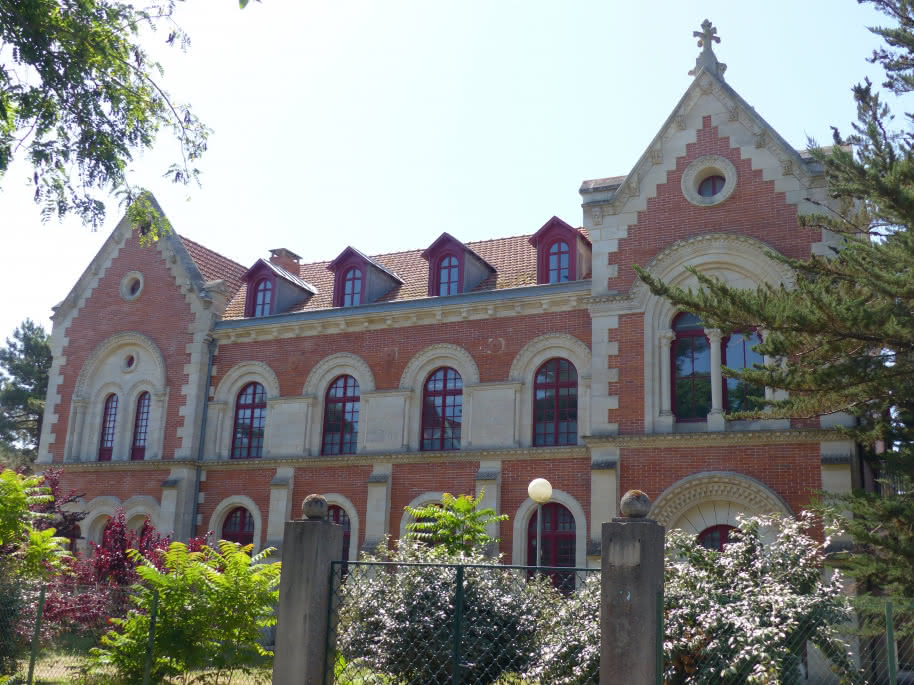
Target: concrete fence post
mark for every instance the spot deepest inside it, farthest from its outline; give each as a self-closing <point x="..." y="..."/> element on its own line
<point x="632" y="575"/>
<point x="308" y="548"/>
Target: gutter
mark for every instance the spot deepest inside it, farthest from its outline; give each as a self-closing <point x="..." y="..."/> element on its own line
<point x="212" y="344"/>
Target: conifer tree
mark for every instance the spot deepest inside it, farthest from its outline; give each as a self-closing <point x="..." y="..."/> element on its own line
<point x="845" y="332"/>
<point x="24" y="366"/>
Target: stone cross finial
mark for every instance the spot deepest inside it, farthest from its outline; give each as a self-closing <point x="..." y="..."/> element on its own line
<point x="706" y="58"/>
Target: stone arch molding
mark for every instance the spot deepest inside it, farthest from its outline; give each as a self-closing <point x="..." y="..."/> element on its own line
<point x="225" y="507"/>
<point x="242" y="374"/>
<point x="522" y="519"/>
<point x="748" y="494"/>
<point x="442" y="354"/>
<point x="336" y="365"/>
<point x="344" y="503"/>
<point x="545" y="347"/>
<point x="418" y="501"/>
<point x="104" y="351"/>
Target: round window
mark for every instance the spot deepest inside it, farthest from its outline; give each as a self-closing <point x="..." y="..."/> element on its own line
<point x="711" y="186"/>
<point x="709" y="180"/>
<point x="131" y="285"/>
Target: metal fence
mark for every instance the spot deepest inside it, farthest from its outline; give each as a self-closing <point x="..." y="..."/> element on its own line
<point x="437" y="624"/>
<point x="47" y="632"/>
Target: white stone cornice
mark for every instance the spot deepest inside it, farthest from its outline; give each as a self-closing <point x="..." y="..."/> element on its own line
<point x="711" y="439"/>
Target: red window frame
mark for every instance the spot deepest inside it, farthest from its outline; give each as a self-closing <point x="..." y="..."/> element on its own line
<point x="338" y="515"/>
<point x="341" y="417"/>
<point x="555" y="270"/>
<point x="448" y="275"/>
<point x="711" y="186"/>
<point x="442" y="410"/>
<point x="555" y="388"/>
<point x="109" y="423"/>
<point x="140" y="427"/>
<point x="250" y="419"/>
<point x="715" y="537"/>
<point x="559" y="538"/>
<point x="263" y="297"/>
<point x="352" y="287"/>
<point x="691" y="336"/>
<point x="550" y="234"/>
<point x="238" y="526"/>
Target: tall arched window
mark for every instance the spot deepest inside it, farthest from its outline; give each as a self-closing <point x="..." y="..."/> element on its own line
<point x="558" y="262"/>
<point x="338" y="515"/>
<point x="263" y="297"/>
<point x="109" y="421"/>
<point x="140" y="428"/>
<point x="738" y="354"/>
<point x="250" y="417"/>
<point x="442" y="410"/>
<point x="691" y="362"/>
<point x="239" y="526"/>
<point x="352" y="287"/>
<point x="341" y="417"/>
<point x="715" y="537"/>
<point x="449" y="276"/>
<point x="555" y="404"/>
<point x="559" y="540"/>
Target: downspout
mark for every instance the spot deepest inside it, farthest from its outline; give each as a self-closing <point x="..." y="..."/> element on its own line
<point x="211" y="346"/>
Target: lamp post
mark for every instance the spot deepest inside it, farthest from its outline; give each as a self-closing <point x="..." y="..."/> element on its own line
<point x="540" y="490"/>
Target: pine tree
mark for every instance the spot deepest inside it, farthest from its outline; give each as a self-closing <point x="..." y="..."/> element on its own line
<point x="845" y="332"/>
<point x="24" y="366"/>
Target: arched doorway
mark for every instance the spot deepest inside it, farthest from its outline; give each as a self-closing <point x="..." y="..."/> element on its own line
<point x="238" y="526"/>
<point x="559" y="538"/>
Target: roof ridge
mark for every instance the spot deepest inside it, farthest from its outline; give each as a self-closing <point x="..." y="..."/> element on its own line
<point x="209" y="249"/>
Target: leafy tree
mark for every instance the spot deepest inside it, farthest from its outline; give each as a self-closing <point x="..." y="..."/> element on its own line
<point x="455" y="524"/>
<point x="25" y="363"/>
<point x="25" y="551"/>
<point x="55" y="514"/>
<point x="212" y="606"/>
<point x="845" y="333"/>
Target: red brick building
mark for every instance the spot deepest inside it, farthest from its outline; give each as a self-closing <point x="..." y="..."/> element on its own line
<point x="212" y="395"/>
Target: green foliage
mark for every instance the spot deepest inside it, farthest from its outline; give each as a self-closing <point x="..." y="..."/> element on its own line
<point x="212" y="607"/>
<point x="25" y="551"/>
<point x="25" y="363"/>
<point x="80" y="95"/>
<point x="456" y="523"/>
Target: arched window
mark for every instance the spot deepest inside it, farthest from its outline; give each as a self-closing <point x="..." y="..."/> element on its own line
<point x="442" y="410"/>
<point x="263" y="297"/>
<point x="711" y="186"/>
<point x="715" y="537"/>
<point x="352" y="287"/>
<point x="738" y="354"/>
<point x="559" y="539"/>
<point x="558" y="262"/>
<point x="555" y="404"/>
<point x="140" y="427"/>
<point x="109" y="421"/>
<point x="239" y="526"/>
<point x="691" y="361"/>
<point x="250" y="417"/>
<point x="337" y="514"/>
<point x="341" y="417"/>
<point x="448" y="276"/>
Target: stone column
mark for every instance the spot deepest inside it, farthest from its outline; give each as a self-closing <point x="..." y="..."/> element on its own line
<point x="632" y="576"/>
<point x="665" y="424"/>
<point x="309" y="547"/>
<point x="716" y="420"/>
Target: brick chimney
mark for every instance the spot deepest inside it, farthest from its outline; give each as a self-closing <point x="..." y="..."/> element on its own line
<point x="285" y="259"/>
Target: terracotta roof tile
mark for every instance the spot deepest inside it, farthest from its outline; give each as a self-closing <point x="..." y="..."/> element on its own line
<point x="213" y="266"/>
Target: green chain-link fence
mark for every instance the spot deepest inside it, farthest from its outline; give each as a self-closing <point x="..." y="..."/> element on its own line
<point x="438" y="624"/>
<point x="46" y="633"/>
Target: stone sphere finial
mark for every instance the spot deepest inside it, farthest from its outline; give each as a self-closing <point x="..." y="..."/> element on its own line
<point x="635" y="504"/>
<point x="314" y="508"/>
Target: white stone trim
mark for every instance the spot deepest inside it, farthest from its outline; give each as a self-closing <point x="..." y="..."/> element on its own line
<point x="227" y="394"/>
<point x="222" y="510"/>
<point x="108" y="347"/>
<point x="530" y="357"/>
<point x="745" y="494"/>
<point x="700" y="169"/>
<point x="346" y="505"/>
<point x="413" y="380"/>
<point x="415" y="503"/>
<point x="522" y="520"/>
<point x="143" y="505"/>
<point x="125" y="285"/>
<point x="90" y="527"/>
<point x="322" y="375"/>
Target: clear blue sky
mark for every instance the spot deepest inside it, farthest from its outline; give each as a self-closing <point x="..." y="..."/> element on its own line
<point x="382" y="123"/>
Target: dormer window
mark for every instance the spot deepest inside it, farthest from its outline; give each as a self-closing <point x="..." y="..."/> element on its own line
<point x="352" y="288"/>
<point x="454" y="268"/>
<point x="562" y="253"/>
<point x="559" y="262"/>
<point x="263" y="297"/>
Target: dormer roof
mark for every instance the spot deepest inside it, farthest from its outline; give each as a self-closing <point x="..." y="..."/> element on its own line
<point x="349" y="252"/>
<point x="446" y="239"/>
<point x="556" y="223"/>
<point x="260" y="264"/>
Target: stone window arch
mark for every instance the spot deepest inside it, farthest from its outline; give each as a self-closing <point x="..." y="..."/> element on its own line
<point x="334" y="499"/>
<point x="221" y="416"/>
<point x="227" y="506"/>
<point x="141" y="506"/>
<point x="521" y="524"/>
<point x="413" y="379"/>
<point x="325" y="372"/>
<point x="125" y="364"/>
<point x="419" y="501"/>
<point x="523" y="372"/>
<point x="99" y="511"/>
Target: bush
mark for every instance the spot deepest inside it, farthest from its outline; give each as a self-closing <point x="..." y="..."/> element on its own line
<point x="212" y="607"/>
<point x="398" y="620"/>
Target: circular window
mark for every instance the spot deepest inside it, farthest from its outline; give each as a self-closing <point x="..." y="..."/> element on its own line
<point x="130" y="361"/>
<point x="132" y="285"/>
<point x="709" y="180"/>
